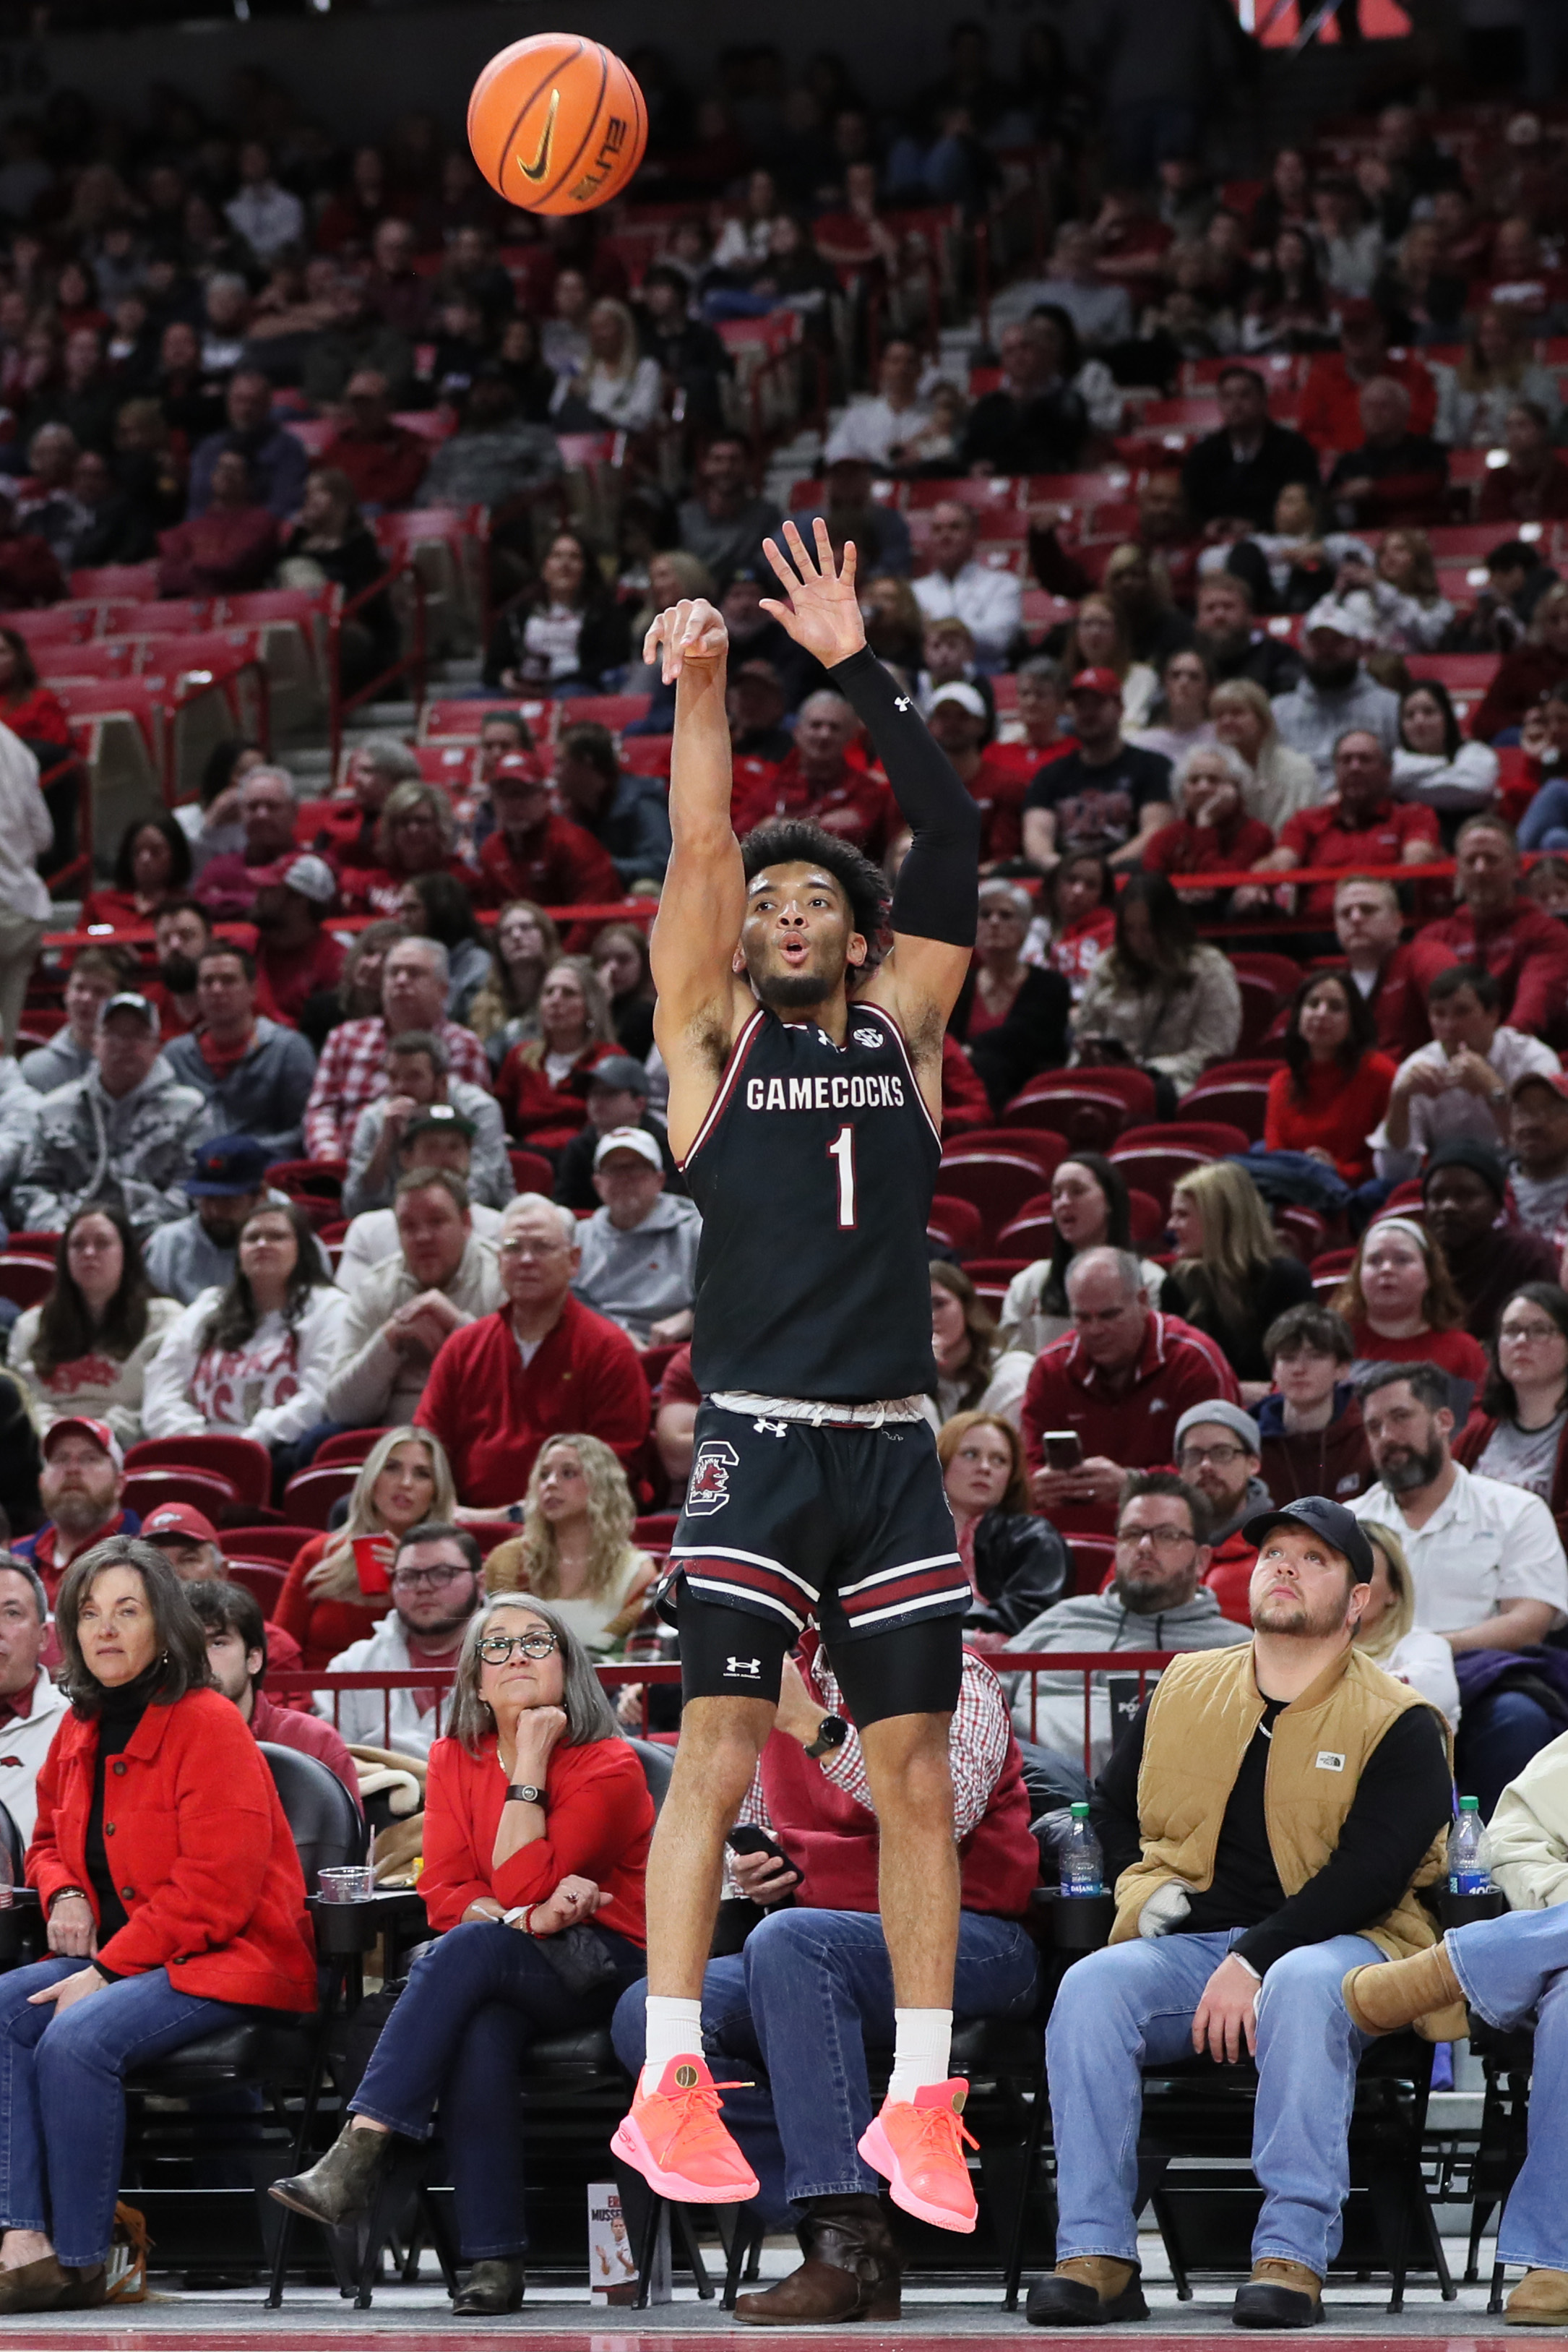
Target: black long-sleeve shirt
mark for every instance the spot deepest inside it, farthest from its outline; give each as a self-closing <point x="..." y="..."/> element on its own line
<point x="1404" y="1795"/>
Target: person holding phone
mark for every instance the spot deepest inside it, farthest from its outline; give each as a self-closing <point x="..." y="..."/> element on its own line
<point x="814" y="1986"/>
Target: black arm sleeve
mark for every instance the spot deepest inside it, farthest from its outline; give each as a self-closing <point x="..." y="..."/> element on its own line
<point x="1114" y="1801"/>
<point x="1404" y="1797"/>
<point x="937" y="892"/>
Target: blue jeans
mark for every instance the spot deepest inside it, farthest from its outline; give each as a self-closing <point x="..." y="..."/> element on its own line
<point x="1133" y="2005"/>
<point x="1544" y="824"/>
<point x="1498" y="1734"/>
<point x="1514" y="1968"/>
<point x="458" y="2037"/>
<point x="809" y="1993"/>
<point x="62" y="2107"/>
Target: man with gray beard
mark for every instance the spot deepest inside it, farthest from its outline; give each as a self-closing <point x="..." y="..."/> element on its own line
<point x="1486" y="1563"/>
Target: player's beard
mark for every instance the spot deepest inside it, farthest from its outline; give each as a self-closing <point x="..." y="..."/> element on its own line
<point x="793" y="991"/>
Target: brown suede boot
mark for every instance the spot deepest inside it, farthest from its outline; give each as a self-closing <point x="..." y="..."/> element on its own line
<point x="1279" y="2294"/>
<point x="851" y="2271"/>
<point x="1540" y="2300"/>
<point x="49" y="2285"/>
<point x="1389" y="1995"/>
<point x="1085" y="2291"/>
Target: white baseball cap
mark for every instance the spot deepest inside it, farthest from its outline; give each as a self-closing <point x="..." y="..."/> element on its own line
<point x="630" y="1138"/>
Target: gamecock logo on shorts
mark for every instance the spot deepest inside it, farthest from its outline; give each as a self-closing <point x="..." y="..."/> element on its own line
<point x="709" y="1488"/>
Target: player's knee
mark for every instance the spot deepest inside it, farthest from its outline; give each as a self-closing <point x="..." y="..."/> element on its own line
<point x="908" y="1766"/>
<point x="721" y="1740"/>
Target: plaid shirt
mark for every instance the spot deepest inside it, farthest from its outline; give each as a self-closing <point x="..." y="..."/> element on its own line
<point x="976" y="1748"/>
<point x="353" y="1074"/>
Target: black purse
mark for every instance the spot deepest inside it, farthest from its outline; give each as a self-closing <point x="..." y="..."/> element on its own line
<point x="579" y="1960"/>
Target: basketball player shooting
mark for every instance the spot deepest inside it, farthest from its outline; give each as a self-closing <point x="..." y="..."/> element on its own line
<point x="805" y="1110"/>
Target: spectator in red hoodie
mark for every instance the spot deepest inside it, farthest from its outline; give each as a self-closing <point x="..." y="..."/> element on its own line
<point x="383" y="460"/>
<point x="819" y="783"/>
<point x="1330" y="405"/>
<point x="1335" y="1089"/>
<point x="533" y="853"/>
<point x="231" y="547"/>
<point x="1497" y="926"/>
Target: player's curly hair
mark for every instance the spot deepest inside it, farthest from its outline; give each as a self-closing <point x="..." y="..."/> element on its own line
<point x="790" y="841"/>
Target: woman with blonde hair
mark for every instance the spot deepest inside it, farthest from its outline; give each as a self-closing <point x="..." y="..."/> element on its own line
<point x="1397" y="598"/>
<point x="1097" y="640"/>
<point x="1386" y="1628"/>
<point x="1279" y="781"/>
<point x="416" y="833"/>
<point x="1403" y="1308"/>
<point x="619" y="387"/>
<point x="576" y="1550"/>
<point x="1498" y="367"/>
<point x="542" y="1086"/>
<point x="1231" y="1279"/>
<point x="1016" y="1561"/>
<point x="505" y="1010"/>
<point x="332" y="1594"/>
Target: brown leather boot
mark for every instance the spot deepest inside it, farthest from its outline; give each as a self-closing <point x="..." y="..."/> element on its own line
<point x="851" y="2270"/>
<point x="1279" y="2294"/>
<point x="1540" y="2300"/>
<point x="341" y="2184"/>
<point x="1085" y="2291"/>
<point x="1389" y="1995"/>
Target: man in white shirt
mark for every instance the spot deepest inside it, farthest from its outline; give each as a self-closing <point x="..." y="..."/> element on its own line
<point x="1538" y="1165"/>
<point x="989" y="603"/>
<point x="264" y="215"/>
<point x="30" y="1704"/>
<point x="1486" y="1563"/>
<point x="442" y="1277"/>
<point x="437" y="1578"/>
<point x="877" y="429"/>
<point x="1458" y="1087"/>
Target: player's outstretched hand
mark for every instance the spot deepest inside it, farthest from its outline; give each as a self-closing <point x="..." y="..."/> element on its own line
<point x="823" y="612"/>
<point x="692" y="636"/>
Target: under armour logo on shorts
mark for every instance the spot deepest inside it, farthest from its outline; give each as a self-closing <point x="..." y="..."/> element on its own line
<point x="771" y="1428"/>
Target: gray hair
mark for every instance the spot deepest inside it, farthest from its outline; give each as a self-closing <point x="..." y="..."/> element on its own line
<point x="1040" y="670"/>
<point x="1128" y="1271"/>
<point x="588" y="1713"/>
<point x="389" y="757"/>
<point x="440" y="961"/>
<point x="1235" y="766"/>
<point x="25" y="1569"/>
<point x="564" y="1217"/>
<point x="1017" y="897"/>
<point x="278" y="775"/>
<point x="843" y="708"/>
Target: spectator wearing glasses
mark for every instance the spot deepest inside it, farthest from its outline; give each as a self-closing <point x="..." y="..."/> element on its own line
<point x="437" y="1583"/>
<point x="537" y="1825"/>
<point x="191" y="1921"/>
<point x="1519" y="1432"/>
<point x="543" y="1365"/>
<point x="1236" y="1922"/>
<point x="1218" y="1453"/>
<point x="1157" y="1600"/>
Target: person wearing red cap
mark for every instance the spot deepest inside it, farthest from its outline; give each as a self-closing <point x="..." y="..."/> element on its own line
<point x="1107" y="795"/>
<point x="80" y="1487"/>
<point x="189" y="1542"/>
<point x="535" y="855"/>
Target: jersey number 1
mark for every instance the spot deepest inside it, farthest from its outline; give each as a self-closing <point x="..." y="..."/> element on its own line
<point x="842" y="1150"/>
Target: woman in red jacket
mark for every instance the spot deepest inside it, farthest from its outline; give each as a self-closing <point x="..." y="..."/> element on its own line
<point x="542" y="1085"/>
<point x="536" y="1822"/>
<point x="174" y="1902"/>
<point x="1334" y="1088"/>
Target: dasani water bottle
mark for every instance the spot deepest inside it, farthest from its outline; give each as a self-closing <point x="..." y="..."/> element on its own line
<point x="1081" y="1865"/>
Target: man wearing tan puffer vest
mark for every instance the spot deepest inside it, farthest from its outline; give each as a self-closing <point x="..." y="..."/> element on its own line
<point x="1513" y="1971"/>
<point x="1267" y="1821"/>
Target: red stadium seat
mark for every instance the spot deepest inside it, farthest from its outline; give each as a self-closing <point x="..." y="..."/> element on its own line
<point x="997" y="1271"/>
<point x="33" y="1244"/>
<point x="348" y="1445"/>
<point x="245" y="1465"/>
<point x="1087" y="1118"/>
<point x="283" y="1545"/>
<point x="1261" y="1006"/>
<point x="1135" y="1087"/>
<point x="1030" y="1235"/>
<point x="324" y="1178"/>
<point x="655" y="1527"/>
<point x="146" y="1489"/>
<point x="647" y="755"/>
<point x="1147" y="1219"/>
<point x="997" y="1183"/>
<point x="1156" y="1169"/>
<point x="25" y="1279"/>
<point x="1303" y="1229"/>
<point x="531" y="1172"/>
<point x="1046" y="1149"/>
<point x="1240" y="1103"/>
<point x="310" y="1494"/>
<point x="262" y="1579"/>
<point x="957" y="1223"/>
<point x="1212" y="1138"/>
<point x="1329" y="1270"/>
<point x="137" y="579"/>
<point x="612" y="710"/>
<point x="1284" y="972"/>
<point x="1092" y="1557"/>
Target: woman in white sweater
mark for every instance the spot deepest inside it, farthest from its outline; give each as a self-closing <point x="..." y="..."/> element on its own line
<point x="26" y="831"/>
<point x="252" y="1360"/>
<point x="84" y="1349"/>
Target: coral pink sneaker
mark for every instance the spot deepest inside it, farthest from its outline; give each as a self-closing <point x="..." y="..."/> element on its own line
<point x="677" y="2143"/>
<point x="919" y="2144"/>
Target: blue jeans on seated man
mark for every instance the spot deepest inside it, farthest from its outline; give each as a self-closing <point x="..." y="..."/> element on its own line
<point x="1131" y="2006"/>
<point x="1498" y="1734"/>
<point x="1515" y="1970"/>
<point x="812" y="1991"/>
<point x="458" y="2037"/>
<point x="1544" y="824"/>
<point x="62" y="2106"/>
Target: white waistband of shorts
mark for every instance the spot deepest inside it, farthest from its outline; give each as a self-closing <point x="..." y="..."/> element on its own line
<point x="819" y="1415"/>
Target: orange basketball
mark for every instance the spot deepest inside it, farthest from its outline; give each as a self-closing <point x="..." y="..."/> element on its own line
<point x="557" y="124"/>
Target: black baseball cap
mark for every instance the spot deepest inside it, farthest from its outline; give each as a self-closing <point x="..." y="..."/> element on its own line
<point x="1330" y="1520"/>
<point x="228" y="1167"/>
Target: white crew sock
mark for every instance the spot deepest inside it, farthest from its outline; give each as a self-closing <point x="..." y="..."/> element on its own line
<point x="921" y="2050"/>
<point x="674" y="2030"/>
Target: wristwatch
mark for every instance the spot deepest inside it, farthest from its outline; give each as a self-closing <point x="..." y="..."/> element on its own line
<point x="523" y="1793"/>
<point x="832" y="1733"/>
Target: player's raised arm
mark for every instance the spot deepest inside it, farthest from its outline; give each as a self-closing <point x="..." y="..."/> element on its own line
<point x="702" y="902"/>
<point x="936" y="900"/>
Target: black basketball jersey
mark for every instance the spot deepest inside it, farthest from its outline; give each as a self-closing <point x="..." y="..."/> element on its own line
<point x="814" y="1171"/>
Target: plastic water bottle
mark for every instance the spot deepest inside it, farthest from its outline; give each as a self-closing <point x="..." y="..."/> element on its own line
<point x="1467" y="1873"/>
<point x="1083" y="1866"/>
